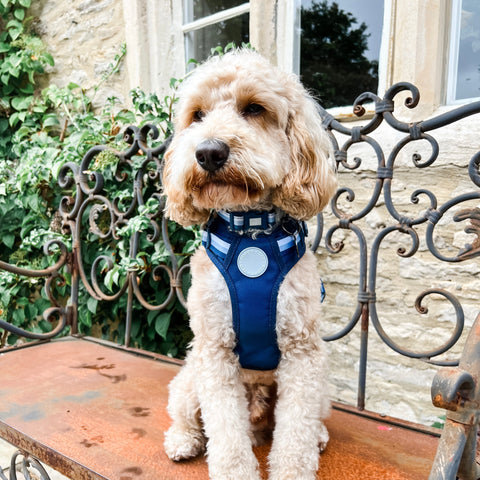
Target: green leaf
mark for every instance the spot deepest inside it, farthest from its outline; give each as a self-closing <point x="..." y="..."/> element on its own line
<point x="28" y="89"/>
<point x="152" y="315"/>
<point x="3" y="125"/>
<point x="162" y="323"/>
<point x="22" y="301"/>
<point x="125" y="117"/>
<point x="14" y="28"/>
<point x="18" y="316"/>
<point x="25" y="3"/>
<point x="108" y="280"/>
<point x="33" y="202"/>
<point x="14" y="119"/>
<point x="49" y="59"/>
<point x="45" y="326"/>
<point x="39" y="108"/>
<point x="8" y="239"/>
<point x="136" y="324"/>
<point x="13" y="24"/>
<point x="92" y="304"/>
<point x="31" y="311"/>
<point x="50" y="121"/>
<point x="86" y="319"/>
<point x="22" y="103"/>
<point x="19" y="13"/>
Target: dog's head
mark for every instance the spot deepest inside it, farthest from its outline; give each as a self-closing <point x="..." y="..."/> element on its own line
<point x="247" y="136"/>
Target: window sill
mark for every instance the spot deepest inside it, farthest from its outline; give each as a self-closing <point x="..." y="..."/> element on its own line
<point x="346" y="114"/>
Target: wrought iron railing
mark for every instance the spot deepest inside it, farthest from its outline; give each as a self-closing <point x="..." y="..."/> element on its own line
<point x="384" y="173"/>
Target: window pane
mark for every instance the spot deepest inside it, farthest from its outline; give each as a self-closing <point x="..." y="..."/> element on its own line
<point x="200" y="42"/>
<point x="204" y="8"/>
<point x="468" y="70"/>
<point x="340" y="48"/>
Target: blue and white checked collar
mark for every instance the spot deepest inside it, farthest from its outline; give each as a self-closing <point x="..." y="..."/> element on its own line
<point x="252" y="223"/>
<point x="242" y="222"/>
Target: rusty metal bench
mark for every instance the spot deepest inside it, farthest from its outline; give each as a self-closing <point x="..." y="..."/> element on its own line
<point x="95" y="409"/>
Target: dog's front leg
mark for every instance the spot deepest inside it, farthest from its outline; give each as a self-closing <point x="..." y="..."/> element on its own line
<point x="225" y="415"/>
<point x="185" y="438"/>
<point x="301" y="406"/>
<point x="217" y="382"/>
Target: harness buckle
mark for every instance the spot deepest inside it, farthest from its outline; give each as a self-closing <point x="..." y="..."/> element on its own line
<point x="295" y="235"/>
<point x="208" y="240"/>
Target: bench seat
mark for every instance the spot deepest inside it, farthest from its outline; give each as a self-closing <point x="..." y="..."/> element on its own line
<point x="93" y="403"/>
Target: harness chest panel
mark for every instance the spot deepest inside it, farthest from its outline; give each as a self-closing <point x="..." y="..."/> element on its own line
<point x="253" y="269"/>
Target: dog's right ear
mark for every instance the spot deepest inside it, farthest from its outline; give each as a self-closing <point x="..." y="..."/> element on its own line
<point x="311" y="182"/>
<point x="179" y="205"/>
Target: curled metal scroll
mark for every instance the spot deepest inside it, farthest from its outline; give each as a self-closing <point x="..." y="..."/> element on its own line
<point x="428" y="216"/>
<point x="89" y="209"/>
<point x="57" y="315"/>
<point x="30" y="467"/>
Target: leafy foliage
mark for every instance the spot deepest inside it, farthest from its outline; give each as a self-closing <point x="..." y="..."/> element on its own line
<point x="39" y="132"/>
<point x="22" y="57"/>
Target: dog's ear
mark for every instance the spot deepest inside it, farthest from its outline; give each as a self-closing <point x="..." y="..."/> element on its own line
<point x="311" y="182"/>
<point x="179" y="205"/>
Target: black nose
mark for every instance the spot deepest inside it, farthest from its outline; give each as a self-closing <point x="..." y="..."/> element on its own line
<point x="211" y="155"/>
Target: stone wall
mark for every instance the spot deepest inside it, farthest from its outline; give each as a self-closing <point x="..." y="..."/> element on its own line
<point x="84" y="38"/>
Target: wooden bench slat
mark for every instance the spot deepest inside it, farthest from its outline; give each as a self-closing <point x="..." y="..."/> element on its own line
<point x="106" y="408"/>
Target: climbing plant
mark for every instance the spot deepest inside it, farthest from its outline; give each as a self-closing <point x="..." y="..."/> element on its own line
<point x="41" y="130"/>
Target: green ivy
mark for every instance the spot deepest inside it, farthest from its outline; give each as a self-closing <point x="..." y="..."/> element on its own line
<point x="23" y="56"/>
<point x="39" y="132"/>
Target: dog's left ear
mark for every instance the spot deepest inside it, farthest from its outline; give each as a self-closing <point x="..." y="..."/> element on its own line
<point x="311" y="182"/>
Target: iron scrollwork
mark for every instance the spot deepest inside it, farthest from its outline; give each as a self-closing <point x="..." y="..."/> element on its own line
<point x="403" y="225"/>
<point x="89" y="209"/>
<point x="57" y="314"/>
<point x="107" y="217"/>
<point x="30" y="468"/>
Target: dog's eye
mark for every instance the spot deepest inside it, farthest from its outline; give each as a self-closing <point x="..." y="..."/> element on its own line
<point x="252" y="110"/>
<point x="198" y="115"/>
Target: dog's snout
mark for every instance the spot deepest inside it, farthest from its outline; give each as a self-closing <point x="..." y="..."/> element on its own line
<point x="211" y="155"/>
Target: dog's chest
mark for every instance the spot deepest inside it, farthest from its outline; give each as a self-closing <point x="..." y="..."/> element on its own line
<point x="253" y="270"/>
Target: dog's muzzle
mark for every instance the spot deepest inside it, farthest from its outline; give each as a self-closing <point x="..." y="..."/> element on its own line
<point x="212" y="154"/>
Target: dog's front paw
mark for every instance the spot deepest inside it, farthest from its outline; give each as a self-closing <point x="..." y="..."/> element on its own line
<point x="180" y="444"/>
<point x="323" y="439"/>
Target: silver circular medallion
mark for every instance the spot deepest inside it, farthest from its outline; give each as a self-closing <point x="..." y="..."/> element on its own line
<point x="252" y="262"/>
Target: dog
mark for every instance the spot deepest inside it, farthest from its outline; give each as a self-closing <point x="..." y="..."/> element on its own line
<point x="250" y="162"/>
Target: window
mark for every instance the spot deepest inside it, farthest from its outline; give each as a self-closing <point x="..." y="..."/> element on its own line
<point x="211" y="23"/>
<point x="340" y="48"/>
<point x="464" y="67"/>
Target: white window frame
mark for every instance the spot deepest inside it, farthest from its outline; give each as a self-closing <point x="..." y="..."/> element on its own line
<point x="207" y="21"/>
<point x="456" y="18"/>
<point x="453" y="52"/>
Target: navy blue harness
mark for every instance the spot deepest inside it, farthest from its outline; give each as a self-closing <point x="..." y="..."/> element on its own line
<point x="253" y="266"/>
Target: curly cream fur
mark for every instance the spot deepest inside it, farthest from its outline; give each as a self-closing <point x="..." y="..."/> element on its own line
<point x="277" y="159"/>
